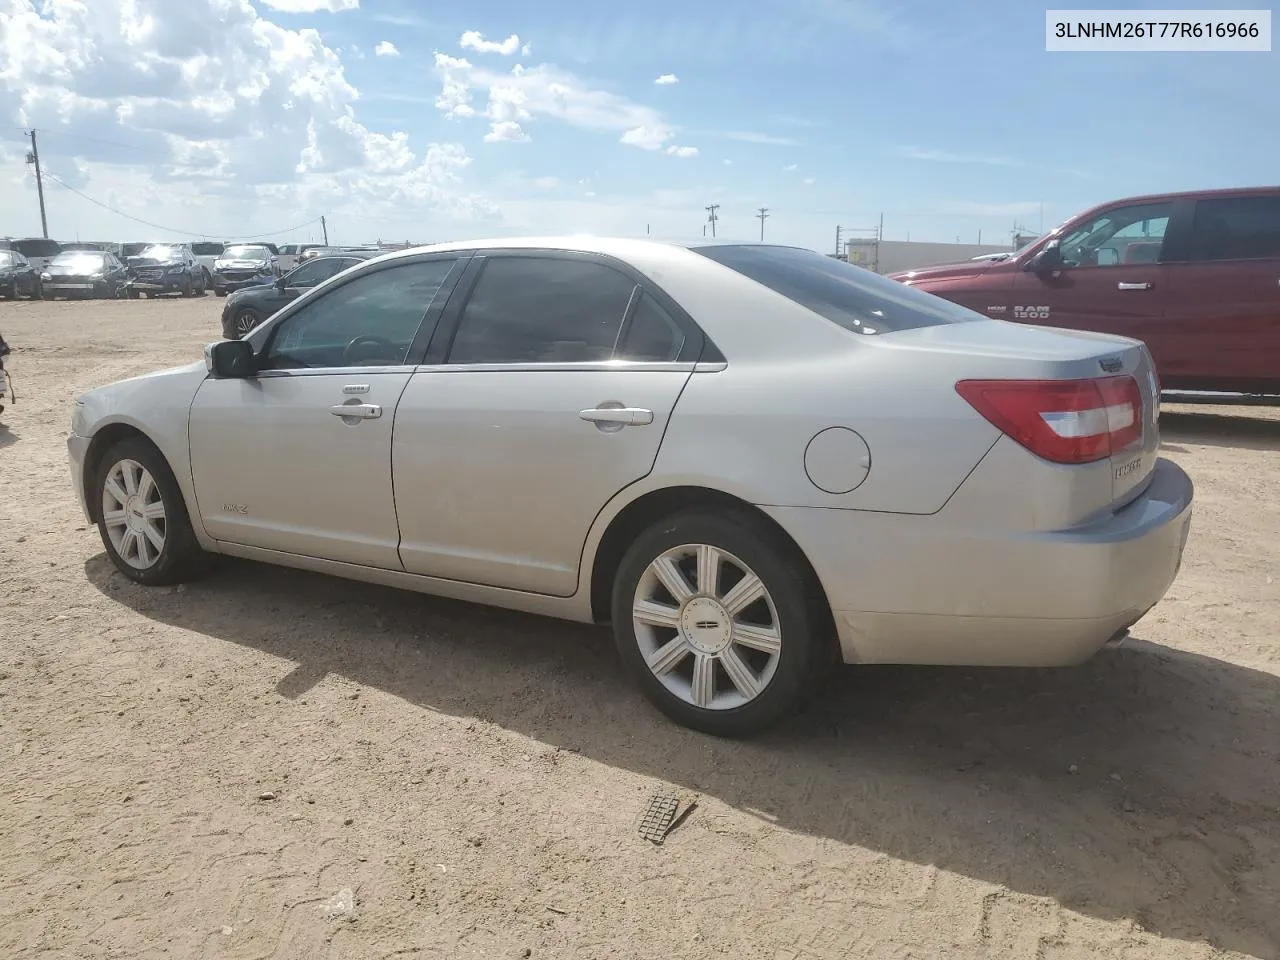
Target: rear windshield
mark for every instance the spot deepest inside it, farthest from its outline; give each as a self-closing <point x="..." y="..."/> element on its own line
<point x="242" y="251"/>
<point x="206" y="249"/>
<point x="856" y="299"/>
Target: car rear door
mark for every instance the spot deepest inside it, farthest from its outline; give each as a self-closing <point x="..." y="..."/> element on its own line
<point x="1111" y="280"/>
<point x="548" y="388"/>
<point x="1224" y="297"/>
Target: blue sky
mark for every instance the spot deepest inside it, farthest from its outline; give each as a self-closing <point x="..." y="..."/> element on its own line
<point x="948" y="119"/>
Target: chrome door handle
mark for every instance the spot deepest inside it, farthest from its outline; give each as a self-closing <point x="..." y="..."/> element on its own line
<point x="362" y="411"/>
<point x="624" y="416"/>
<point x="1132" y="286"/>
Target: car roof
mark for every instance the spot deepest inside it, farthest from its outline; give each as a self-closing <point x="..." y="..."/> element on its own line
<point x="621" y="247"/>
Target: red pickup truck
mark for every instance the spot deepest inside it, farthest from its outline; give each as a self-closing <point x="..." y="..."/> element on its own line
<point x="1196" y="276"/>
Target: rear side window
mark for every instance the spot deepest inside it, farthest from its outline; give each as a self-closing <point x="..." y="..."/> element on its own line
<point x="858" y="300"/>
<point x="542" y="310"/>
<point x="650" y="335"/>
<point x="1236" y="228"/>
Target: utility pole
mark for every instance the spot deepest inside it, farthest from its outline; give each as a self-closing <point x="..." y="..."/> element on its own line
<point x="325" y="227"/>
<point x="712" y="218"/>
<point x="34" y="158"/>
<point x="838" y="229"/>
<point x="762" y="216"/>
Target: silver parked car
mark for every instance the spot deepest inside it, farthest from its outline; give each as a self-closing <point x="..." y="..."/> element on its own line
<point x="753" y="460"/>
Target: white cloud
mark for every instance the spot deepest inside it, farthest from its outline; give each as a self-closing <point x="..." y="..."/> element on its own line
<point x="546" y="183"/>
<point x="682" y="151"/>
<point x="667" y="79"/>
<point x="312" y="6"/>
<point x="946" y="156"/>
<point x="748" y="136"/>
<point x="386" y="49"/>
<point x="474" y="40"/>
<point x="526" y="50"/>
<point x="790" y="166"/>
<point x="256" y="116"/>
<point x="728" y="163"/>
<point x="810" y="181"/>
<point x="523" y="94"/>
<point x="507" y="130"/>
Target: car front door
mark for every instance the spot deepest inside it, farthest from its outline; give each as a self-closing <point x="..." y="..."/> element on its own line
<point x="531" y="418"/>
<point x="1223" y="308"/>
<point x="1111" y="277"/>
<point x="297" y="458"/>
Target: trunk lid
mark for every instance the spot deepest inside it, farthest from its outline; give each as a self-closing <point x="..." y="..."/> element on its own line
<point x="1000" y="350"/>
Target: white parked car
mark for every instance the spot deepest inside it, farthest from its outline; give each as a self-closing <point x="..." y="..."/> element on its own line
<point x="753" y="460"/>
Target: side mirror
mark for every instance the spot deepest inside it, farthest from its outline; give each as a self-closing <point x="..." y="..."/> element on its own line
<point x="229" y="359"/>
<point x="1047" y="261"/>
<point x="281" y="283"/>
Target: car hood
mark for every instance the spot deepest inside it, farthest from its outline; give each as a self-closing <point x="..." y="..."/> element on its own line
<point x="73" y="269"/>
<point x="222" y="264"/>
<point x="949" y="271"/>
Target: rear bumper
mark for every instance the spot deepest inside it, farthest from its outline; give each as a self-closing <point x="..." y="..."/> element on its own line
<point x="929" y="590"/>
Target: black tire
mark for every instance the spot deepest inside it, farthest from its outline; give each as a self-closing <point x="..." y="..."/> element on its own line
<point x="131" y="294"/>
<point x="181" y="558"/>
<point x="219" y="293"/>
<point x="808" y="647"/>
<point x="242" y="321"/>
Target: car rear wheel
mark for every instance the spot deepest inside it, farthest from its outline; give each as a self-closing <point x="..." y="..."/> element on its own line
<point x="142" y="518"/>
<point x="717" y="625"/>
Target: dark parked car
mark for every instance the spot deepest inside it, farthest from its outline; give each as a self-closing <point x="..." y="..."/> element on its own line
<point x="243" y="264"/>
<point x="83" y="273"/>
<point x="249" y="306"/>
<point x="166" y="268"/>
<point x="1193" y="275"/>
<point x="18" y="278"/>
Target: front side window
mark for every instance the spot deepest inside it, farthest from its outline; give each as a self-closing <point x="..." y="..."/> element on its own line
<point x="542" y="310"/>
<point x="852" y="297"/>
<point x="11" y="258"/>
<point x="1123" y="236"/>
<point x="1236" y="228"/>
<point x="313" y="272"/>
<point x="371" y="320"/>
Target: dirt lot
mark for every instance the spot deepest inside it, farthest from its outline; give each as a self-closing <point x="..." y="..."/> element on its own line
<point x="474" y="777"/>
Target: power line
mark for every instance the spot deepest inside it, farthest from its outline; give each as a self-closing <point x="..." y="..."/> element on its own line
<point x="157" y="226"/>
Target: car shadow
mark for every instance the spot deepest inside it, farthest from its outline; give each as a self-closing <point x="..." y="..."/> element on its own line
<point x="1221" y="429"/>
<point x="1140" y="786"/>
<point x="8" y="436"/>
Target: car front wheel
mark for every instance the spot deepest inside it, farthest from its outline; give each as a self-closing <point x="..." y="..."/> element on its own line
<point x="142" y="518"/>
<point x="717" y="623"/>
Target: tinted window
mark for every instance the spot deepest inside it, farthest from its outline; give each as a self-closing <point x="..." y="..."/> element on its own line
<point x="386" y="306"/>
<point x="314" y="271"/>
<point x="206" y="249"/>
<point x="650" y="334"/>
<point x="37" y="247"/>
<point x="542" y="310"/>
<point x="1122" y="236"/>
<point x="856" y="299"/>
<point x="1240" y="228"/>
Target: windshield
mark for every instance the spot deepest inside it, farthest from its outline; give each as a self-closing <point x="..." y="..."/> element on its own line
<point x="37" y="247"/>
<point x="246" y="252"/>
<point x="162" y="251"/>
<point x="858" y="300"/>
<point x="78" y="259"/>
<point x="9" y="259"/>
<point x="206" y="249"/>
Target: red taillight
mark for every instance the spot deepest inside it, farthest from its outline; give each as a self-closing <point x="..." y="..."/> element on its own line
<point x="1066" y="421"/>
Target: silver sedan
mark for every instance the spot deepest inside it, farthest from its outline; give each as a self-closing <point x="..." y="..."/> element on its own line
<point x="754" y="461"/>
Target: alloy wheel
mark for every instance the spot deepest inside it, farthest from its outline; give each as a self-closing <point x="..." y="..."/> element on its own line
<point x="133" y="512"/>
<point x="246" y="320"/>
<point x="707" y="627"/>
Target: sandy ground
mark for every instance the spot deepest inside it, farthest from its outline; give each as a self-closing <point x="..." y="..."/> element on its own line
<point x="474" y="777"/>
